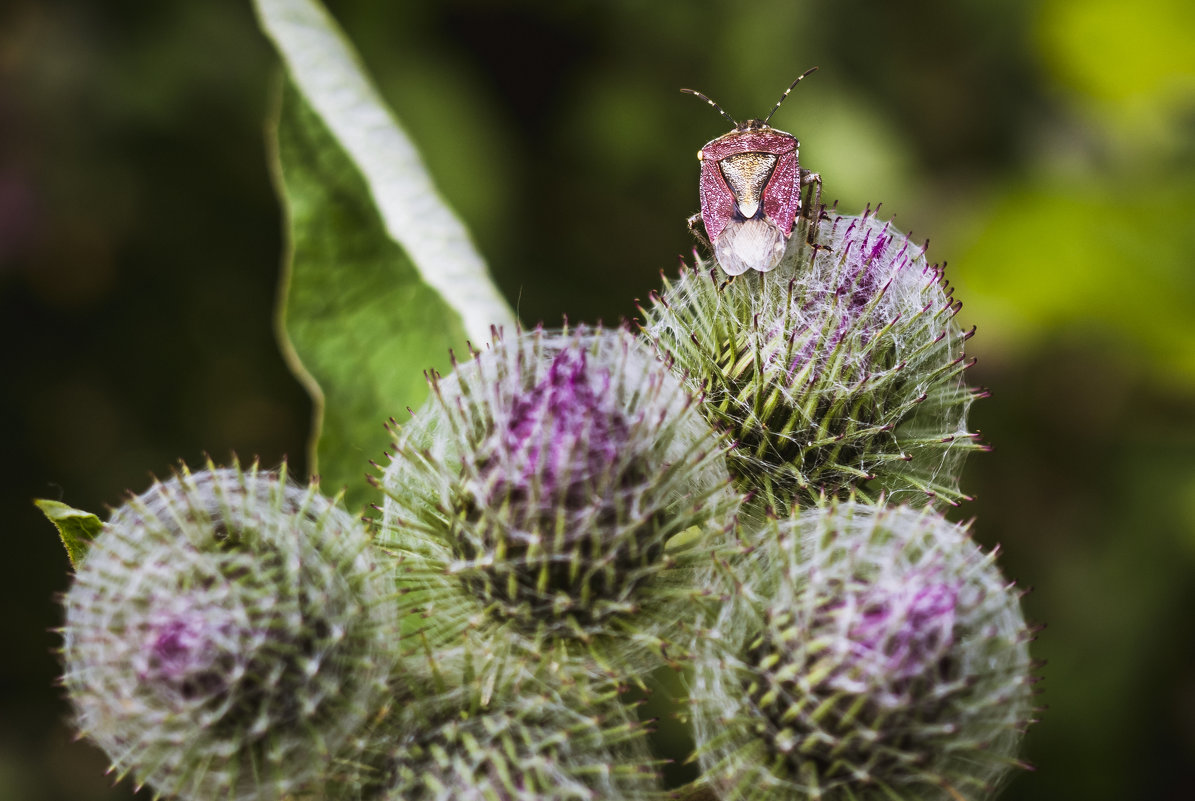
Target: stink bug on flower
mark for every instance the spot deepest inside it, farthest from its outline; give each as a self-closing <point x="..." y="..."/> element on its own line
<point x="751" y="185"/>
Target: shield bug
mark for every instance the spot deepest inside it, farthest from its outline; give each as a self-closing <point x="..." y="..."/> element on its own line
<point x="751" y="188"/>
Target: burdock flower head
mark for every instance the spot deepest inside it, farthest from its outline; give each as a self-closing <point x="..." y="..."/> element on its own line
<point x="548" y="477"/>
<point x="544" y="743"/>
<point x="838" y="372"/>
<point x="869" y="653"/>
<point x="226" y="635"/>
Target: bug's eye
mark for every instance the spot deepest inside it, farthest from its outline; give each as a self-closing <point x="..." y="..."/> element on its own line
<point x="701" y="155"/>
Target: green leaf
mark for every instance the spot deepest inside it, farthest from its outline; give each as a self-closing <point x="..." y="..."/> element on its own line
<point x="382" y="278"/>
<point x="358" y="324"/>
<point x="76" y="528"/>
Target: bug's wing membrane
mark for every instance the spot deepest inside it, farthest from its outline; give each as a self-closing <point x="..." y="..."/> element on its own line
<point x="755" y="244"/>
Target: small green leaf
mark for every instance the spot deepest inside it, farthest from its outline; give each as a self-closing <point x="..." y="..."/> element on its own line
<point x="76" y="528"/>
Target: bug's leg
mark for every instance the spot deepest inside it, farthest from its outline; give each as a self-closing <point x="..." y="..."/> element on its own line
<point x="697" y="229"/>
<point x="811" y="205"/>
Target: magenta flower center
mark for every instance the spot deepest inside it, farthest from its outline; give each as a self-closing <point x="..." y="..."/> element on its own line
<point x="188" y="652"/>
<point x="906" y="630"/>
<point x="564" y="434"/>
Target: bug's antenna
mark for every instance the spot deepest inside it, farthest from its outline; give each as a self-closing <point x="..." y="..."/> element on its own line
<point x="786" y="91"/>
<point x="715" y="105"/>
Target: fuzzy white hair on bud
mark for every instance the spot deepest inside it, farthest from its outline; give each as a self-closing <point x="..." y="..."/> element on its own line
<point x="546" y="482"/>
<point x="866" y="653"/>
<point x="226" y="635"/>
<point x="838" y="372"/>
<point x="543" y="745"/>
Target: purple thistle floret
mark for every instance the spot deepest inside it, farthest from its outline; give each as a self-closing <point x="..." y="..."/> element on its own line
<point x="227" y="635"/>
<point x="903" y="630"/>
<point x="564" y="432"/>
<point x="563" y="464"/>
<point x="546" y="476"/>
<point x="854" y="301"/>
<point x="188" y="651"/>
<point x="871" y="653"/>
<point x="174" y="647"/>
<point x="839" y="373"/>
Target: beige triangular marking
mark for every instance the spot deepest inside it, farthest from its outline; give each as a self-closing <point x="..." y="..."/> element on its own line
<point x="747" y="174"/>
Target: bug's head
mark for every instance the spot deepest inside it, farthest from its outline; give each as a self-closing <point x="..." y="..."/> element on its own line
<point x="752" y="124"/>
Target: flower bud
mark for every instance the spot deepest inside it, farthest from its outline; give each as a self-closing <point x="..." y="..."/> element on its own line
<point x="840" y="371"/>
<point x="869" y="653"/>
<point x="538" y="745"/>
<point x="548" y="477"/>
<point x="226" y="635"/>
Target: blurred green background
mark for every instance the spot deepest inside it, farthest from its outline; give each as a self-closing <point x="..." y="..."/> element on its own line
<point x="1047" y="148"/>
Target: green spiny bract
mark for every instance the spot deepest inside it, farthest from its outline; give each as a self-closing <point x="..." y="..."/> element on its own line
<point x="867" y="654"/>
<point x="493" y="724"/>
<point x="541" y="744"/>
<point x="226" y="635"/>
<point x="840" y="371"/>
<point x="541" y="488"/>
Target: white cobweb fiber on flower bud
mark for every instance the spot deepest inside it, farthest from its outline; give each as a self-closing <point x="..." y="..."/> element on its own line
<point x="543" y="480"/>
<point x="839" y="370"/>
<point x="865" y="277"/>
<point x="867" y="653"/>
<point x="226" y="634"/>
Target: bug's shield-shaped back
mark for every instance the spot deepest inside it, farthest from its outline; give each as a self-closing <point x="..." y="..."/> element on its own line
<point x="750" y="197"/>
